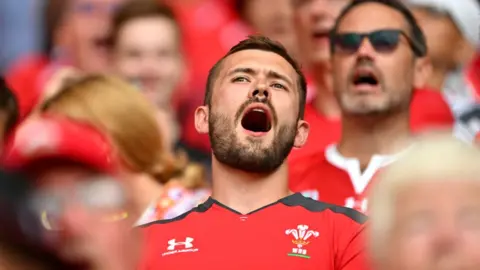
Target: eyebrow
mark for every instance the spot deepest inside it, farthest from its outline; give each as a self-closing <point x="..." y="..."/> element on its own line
<point x="270" y="74"/>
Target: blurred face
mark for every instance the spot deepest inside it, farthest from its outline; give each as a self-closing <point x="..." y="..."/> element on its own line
<point x="85" y="212"/>
<point x="313" y="21"/>
<point x="253" y="118"/>
<point x="437" y="227"/>
<point x="371" y="78"/>
<point x="274" y="19"/>
<point x="147" y="53"/>
<point x="438" y="27"/>
<point x="84" y="31"/>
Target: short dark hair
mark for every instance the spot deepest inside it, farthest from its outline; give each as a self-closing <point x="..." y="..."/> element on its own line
<point x="262" y="43"/>
<point x="140" y="9"/>
<point x="8" y="104"/>
<point x="416" y="32"/>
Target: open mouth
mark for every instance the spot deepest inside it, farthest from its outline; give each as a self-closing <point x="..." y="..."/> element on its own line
<point x="365" y="78"/>
<point x="100" y="42"/>
<point x="320" y="35"/>
<point x="257" y="120"/>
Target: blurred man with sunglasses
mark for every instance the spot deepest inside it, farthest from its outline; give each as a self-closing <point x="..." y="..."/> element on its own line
<point x="313" y="21"/>
<point x="80" y="199"/>
<point x="376" y="64"/>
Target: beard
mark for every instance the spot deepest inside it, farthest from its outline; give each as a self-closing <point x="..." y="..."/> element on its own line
<point x="367" y="106"/>
<point x="252" y="157"/>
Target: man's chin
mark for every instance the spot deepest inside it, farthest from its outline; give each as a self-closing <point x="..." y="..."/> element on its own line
<point x="365" y="108"/>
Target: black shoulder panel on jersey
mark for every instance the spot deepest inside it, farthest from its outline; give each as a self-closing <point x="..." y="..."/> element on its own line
<point x="201" y="208"/>
<point x="316" y="206"/>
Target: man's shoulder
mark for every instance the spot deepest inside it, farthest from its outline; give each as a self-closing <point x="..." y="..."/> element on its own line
<point x="429" y="108"/>
<point x="185" y="218"/>
<point x="330" y="211"/>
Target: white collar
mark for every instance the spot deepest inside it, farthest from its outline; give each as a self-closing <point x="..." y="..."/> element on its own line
<point x="352" y="166"/>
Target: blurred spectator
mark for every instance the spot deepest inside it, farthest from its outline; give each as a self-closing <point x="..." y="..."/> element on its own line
<point x="80" y="199"/>
<point x="456" y="22"/>
<point x="373" y="84"/>
<point x="314" y="19"/>
<point x="147" y="51"/>
<point x="76" y="32"/>
<point x="425" y="209"/>
<point x="128" y="119"/>
<point x="21" y="231"/>
<point x="271" y="18"/>
<point x="454" y="68"/>
<point x="8" y="111"/>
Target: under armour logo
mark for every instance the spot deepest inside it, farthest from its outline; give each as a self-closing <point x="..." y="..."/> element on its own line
<point x="173" y="243"/>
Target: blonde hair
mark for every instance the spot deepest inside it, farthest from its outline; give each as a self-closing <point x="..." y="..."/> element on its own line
<point x="125" y="115"/>
<point x="434" y="157"/>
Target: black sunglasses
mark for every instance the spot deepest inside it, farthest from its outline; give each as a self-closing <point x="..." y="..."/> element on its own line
<point x="383" y="41"/>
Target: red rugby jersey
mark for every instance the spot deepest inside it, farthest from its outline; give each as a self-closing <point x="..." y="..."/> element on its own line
<point x="332" y="178"/>
<point x="292" y="233"/>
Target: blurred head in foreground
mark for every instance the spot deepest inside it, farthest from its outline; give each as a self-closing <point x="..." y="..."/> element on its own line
<point x="425" y="208"/>
<point x="79" y="199"/>
<point x="128" y="119"/>
<point x="21" y="231"/>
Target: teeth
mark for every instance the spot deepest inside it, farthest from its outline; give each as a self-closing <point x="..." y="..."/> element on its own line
<point x="259" y="110"/>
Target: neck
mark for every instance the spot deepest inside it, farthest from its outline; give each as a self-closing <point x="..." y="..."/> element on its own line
<point x="246" y="192"/>
<point x="325" y="102"/>
<point x="365" y="136"/>
<point x="437" y="78"/>
<point x="144" y="190"/>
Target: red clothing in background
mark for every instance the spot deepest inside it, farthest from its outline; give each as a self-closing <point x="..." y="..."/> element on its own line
<point x="293" y="233"/>
<point x="24" y="79"/>
<point x="323" y="131"/>
<point x="428" y="109"/>
<point x="334" y="179"/>
<point x="473" y="75"/>
<point x="210" y="28"/>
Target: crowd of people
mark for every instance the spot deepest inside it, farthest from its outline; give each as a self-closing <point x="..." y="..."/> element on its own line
<point x="243" y="134"/>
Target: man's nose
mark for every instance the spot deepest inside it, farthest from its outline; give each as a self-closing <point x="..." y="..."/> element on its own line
<point x="446" y="239"/>
<point x="73" y="219"/>
<point x="260" y="93"/>
<point x="366" y="49"/>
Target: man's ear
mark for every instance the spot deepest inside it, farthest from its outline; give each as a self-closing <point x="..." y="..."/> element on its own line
<point x="423" y="71"/>
<point x="201" y="119"/>
<point x="303" y="129"/>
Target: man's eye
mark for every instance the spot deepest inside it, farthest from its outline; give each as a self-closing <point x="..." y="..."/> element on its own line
<point x="240" y="79"/>
<point x="278" y="85"/>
